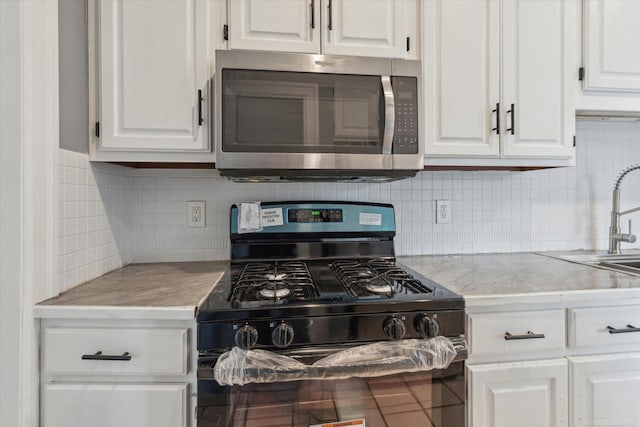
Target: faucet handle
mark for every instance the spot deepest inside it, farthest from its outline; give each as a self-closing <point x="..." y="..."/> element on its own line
<point x="631" y="238"/>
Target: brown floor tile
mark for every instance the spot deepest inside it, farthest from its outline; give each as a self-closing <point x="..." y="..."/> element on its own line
<point x="314" y="413"/>
<point x="352" y="388"/>
<point x="448" y="416"/>
<point x="408" y="419"/>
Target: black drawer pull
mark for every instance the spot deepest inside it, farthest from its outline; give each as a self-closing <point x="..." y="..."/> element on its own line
<point x="629" y="328"/>
<point x="529" y="335"/>
<point x="99" y="356"/>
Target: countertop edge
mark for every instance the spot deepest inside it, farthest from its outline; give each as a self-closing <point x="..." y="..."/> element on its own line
<point x="113" y="312"/>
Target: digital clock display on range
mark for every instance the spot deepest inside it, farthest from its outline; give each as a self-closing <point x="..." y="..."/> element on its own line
<point x="314" y="215"/>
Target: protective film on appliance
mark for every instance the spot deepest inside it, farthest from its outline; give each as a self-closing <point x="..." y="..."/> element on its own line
<point x="240" y="367"/>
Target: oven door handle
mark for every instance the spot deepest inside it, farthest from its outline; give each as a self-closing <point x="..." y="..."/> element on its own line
<point x="389" y="115"/>
<point x="240" y="367"/>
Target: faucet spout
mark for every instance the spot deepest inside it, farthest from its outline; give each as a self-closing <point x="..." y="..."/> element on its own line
<point x="615" y="236"/>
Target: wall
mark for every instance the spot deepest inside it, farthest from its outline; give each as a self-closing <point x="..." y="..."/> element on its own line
<point x="553" y="209"/>
<point x="74" y="75"/>
<point x="10" y="213"/>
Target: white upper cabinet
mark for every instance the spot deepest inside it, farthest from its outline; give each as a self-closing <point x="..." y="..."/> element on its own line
<point x="284" y="25"/>
<point x="537" y="71"/>
<point x="384" y="28"/>
<point x="610" y="57"/>
<point x="498" y="82"/>
<point x="153" y="76"/>
<point x="462" y="80"/>
<point x="612" y="45"/>
<point x="356" y="26"/>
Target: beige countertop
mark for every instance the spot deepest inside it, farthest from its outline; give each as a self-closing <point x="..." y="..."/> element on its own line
<point x="524" y="276"/>
<point x="171" y="286"/>
<point x="482" y="278"/>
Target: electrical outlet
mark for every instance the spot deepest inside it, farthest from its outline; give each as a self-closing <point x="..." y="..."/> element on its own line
<point x="443" y="211"/>
<point x="196" y="214"/>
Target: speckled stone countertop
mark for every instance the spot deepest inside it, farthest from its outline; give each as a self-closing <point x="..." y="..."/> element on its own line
<point x="159" y="289"/>
<point x="170" y="287"/>
<point x="519" y="274"/>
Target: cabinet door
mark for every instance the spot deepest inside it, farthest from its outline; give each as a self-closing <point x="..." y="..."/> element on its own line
<point x="605" y="390"/>
<point x="523" y="394"/>
<point x="115" y="405"/>
<point x="461" y="77"/>
<point x="153" y="68"/>
<point x="367" y="27"/>
<point x="611" y="48"/>
<point x="283" y="25"/>
<point x="537" y="72"/>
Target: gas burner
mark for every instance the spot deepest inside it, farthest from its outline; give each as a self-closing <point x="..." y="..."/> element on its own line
<point x="376" y="278"/>
<point x="273" y="283"/>
<point x="379" y="289"/>
<point x="274" y="291"/>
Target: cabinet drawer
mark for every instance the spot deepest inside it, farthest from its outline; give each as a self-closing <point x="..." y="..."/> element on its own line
<point x="590" y="326"/>
<point x="516" y="332"/>
<point x="115" y="405"/>
<point x="144" y="351"/>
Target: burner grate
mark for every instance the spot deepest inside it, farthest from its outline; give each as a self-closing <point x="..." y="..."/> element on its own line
<point x="274" y="283"/>
<point x="376" y="278"/>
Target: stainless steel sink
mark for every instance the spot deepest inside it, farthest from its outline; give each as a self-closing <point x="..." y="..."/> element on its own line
<point x="625" y="263"/>
<point x="631" y="267"/>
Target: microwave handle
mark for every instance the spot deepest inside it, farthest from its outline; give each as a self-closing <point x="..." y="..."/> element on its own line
<point x="389" y="115"/>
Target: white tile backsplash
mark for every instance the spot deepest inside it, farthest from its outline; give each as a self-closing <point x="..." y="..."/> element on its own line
<point x="92" y="202"/>
<point x="121" y="215"/>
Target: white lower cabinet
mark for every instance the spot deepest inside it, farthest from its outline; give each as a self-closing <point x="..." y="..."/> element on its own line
<point x="569" y="364"/>
<point x="115" y="405"/>
<point x="605" y="390"/>
<point x="523" y="394"/>
<point x="117" y="373"/>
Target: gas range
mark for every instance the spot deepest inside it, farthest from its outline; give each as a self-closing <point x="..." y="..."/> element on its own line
<point x="315" y="321"/>
<point x="326" y="267"/>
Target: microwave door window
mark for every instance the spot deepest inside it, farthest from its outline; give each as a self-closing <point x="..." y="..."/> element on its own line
<point x="287" y="112"/>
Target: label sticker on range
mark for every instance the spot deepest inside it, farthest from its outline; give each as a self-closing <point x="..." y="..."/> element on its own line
<point x="351" y="423"/>
<point x="370" y="218"/>
<point x="271" y="217"/>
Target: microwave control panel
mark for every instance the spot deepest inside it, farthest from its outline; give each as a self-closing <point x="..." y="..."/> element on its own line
<point x="405" y="91"/>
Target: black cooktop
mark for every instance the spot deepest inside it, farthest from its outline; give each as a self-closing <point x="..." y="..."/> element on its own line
<point x="294" y="288"/>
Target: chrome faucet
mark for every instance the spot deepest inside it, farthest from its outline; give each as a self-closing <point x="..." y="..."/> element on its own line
<point x="615" y="236"/>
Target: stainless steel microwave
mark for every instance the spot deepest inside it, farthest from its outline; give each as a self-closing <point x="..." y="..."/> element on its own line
<point x="286" y="116"/>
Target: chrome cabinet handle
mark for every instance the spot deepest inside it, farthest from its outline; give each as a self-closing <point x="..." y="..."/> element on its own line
<point x="389" y="115"/>
<point x="313" y="14"/>
<point x="529" y="335"/>
<point x="330" y="24"/>
<point x="497" y="111"/>
<point x="99" y="356"/>
<point x="512" y="129"/>
<point x="629" y="328"/>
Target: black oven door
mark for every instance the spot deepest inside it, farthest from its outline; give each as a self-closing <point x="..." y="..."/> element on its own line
<point x="417" y="399"/>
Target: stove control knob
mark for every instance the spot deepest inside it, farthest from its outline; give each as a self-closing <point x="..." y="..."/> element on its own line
<point x="394" y="328"/>
<point x="246" y="337"/>
<point x="427" y="326"/>
<point x="282" y="335"/>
